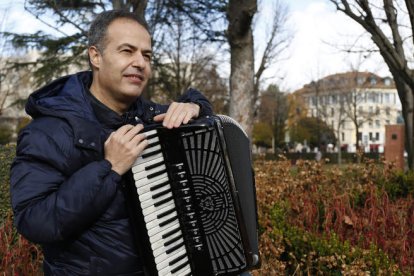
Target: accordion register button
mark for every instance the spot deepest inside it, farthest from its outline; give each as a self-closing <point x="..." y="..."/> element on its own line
<point x="189" y="208"/>
<point x="192" y="223"/>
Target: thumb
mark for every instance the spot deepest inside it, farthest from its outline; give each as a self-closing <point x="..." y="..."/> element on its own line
<point x="159" y="118"/>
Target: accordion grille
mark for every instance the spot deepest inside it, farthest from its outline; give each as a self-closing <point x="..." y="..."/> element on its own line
<point x="215" y="204"/>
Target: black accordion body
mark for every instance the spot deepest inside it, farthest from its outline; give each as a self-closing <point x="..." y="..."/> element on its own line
<point x="194" y="207"/>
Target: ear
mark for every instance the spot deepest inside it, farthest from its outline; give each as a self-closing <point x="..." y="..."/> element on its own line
<point x="94" y="56"/>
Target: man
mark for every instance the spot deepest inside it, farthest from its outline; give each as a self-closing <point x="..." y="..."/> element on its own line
<point x="67" y="179"/>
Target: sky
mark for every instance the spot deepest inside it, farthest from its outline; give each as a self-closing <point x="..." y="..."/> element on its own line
<point x="317" y="28"/>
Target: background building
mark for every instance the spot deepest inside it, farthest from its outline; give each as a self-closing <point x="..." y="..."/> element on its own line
<point x="356" y="105"/>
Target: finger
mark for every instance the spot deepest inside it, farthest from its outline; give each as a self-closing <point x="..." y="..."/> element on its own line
<point x="188" y="117"/>
<point x="138" y="139"/>
<point x="133" y="132"/>
<point x="159" y="118"/>
<point x="179" y="119"/>
<point x="170" y="113"/>
<point x="109" y="138"/>
<point x="174" y="116"/>
<point x="141" y="146"/>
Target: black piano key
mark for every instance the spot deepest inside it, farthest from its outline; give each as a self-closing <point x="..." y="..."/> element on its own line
<point x="179" y="267"/>
<point x="148" y="154"/>
<point x="152" y="145"/>
<point x="153" y="166"/>
<point x="161" y="194"/>
<point x="153" y="188"/>
<point x="156" y="174"/>
<point x="172" y="240"/>
<point x="172" y="232"/>
<point x="152" y="136"/>
<point x="161" y="202"/>
<point x="174" y="248"/>
<point x="168" y="221"/>
<point x="179" y="258"/>
<point x="163" y="214"/>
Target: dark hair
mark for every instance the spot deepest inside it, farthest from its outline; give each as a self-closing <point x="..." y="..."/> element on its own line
<point x="99" y="26"/>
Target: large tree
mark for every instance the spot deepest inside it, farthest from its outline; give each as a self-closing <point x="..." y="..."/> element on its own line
<point x="391" y="27"/>
<point x="183" y="35"/>
<point x="240" y="36"/>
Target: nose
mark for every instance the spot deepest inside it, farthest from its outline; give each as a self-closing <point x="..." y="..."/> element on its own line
<point x="139" y="61"/>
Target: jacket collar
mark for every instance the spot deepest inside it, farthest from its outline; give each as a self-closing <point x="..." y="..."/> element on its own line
<point x="69" y="98"/>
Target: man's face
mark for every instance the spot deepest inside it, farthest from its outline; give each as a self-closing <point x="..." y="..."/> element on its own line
<point x="123" y="68"/>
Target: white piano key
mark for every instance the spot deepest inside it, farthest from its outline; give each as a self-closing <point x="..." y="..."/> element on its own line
<point x="152" y="140"/>
<point x="154" y="223"/>
<point x="150" y="132"/>
<point x="165" y="248"/>
<point x="150" y="194"/>
<point x="141" y="167"/>
<point x="185" y="270"/>
<point x="144" y="181"/>
<point x="141" y="160"/>
<point x="167" y="270"/>
<point x="146" y="188"/>
<point x="145" y="174"/>
<point x="180" y="262"/>
<point x="163" y="260"/>
<point x="156" y="236"/>
<point x="161" y="243"/>
<point x="161" y="231"/>
<point x="157" y="212"/>
<point x="151" y="201"/>
<point x="151" y="209"/>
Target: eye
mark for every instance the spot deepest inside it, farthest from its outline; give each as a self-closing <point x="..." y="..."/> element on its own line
<point x="126" y="50"/>
<point x="147" y="57"/>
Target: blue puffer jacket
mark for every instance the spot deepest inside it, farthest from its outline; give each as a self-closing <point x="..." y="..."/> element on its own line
<point x="64" y="194"/>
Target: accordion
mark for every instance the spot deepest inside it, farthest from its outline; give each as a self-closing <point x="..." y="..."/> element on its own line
<point x="193" y="205"/>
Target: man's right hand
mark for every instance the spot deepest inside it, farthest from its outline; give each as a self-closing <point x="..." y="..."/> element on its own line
<point x="124" y="146"/>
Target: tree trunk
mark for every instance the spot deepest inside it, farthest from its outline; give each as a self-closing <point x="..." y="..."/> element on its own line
<point x="240" y="37"/>
<point x="407" y="101"/>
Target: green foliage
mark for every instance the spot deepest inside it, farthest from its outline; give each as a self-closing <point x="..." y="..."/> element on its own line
<point x="5" y="134"/>
<point x="7" y="154"/>
<point x="401" y="185"/>
<point x="327" y="254"/>
<point x="315" y="131"/>
<point x="262" y="134"/>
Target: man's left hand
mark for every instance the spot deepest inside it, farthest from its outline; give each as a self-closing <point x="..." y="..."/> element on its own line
<point x="177" y="114"/>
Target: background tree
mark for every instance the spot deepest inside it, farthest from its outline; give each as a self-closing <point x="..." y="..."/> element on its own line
<point x="272" y="113"/>
<point x="391" y="27"/>
<point x="188" y="38"/>
<point x="305" y="130"/>
<point x="240" y="36"/>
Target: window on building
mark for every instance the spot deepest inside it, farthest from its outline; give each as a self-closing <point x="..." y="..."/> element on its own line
<point x="359" y="136"/>
<point x="370" y="136"/>
<point x="370" y="123"/>
<point x="373" y="81"/>
<point x="371" y="110"/>
<point x="377" y="110"/>
<point x="387" y="81"/>
<point x="343" y="136"/>
<point x="377" y="136"/>
<point x="387" y="122"/>
<point x="387" y="111"/>
<point x="377" y="123"/>
<point x="386" y="98"/>
<point x="332" y="111"/>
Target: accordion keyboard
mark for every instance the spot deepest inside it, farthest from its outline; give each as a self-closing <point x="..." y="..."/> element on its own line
<point x="159" y="210"/>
